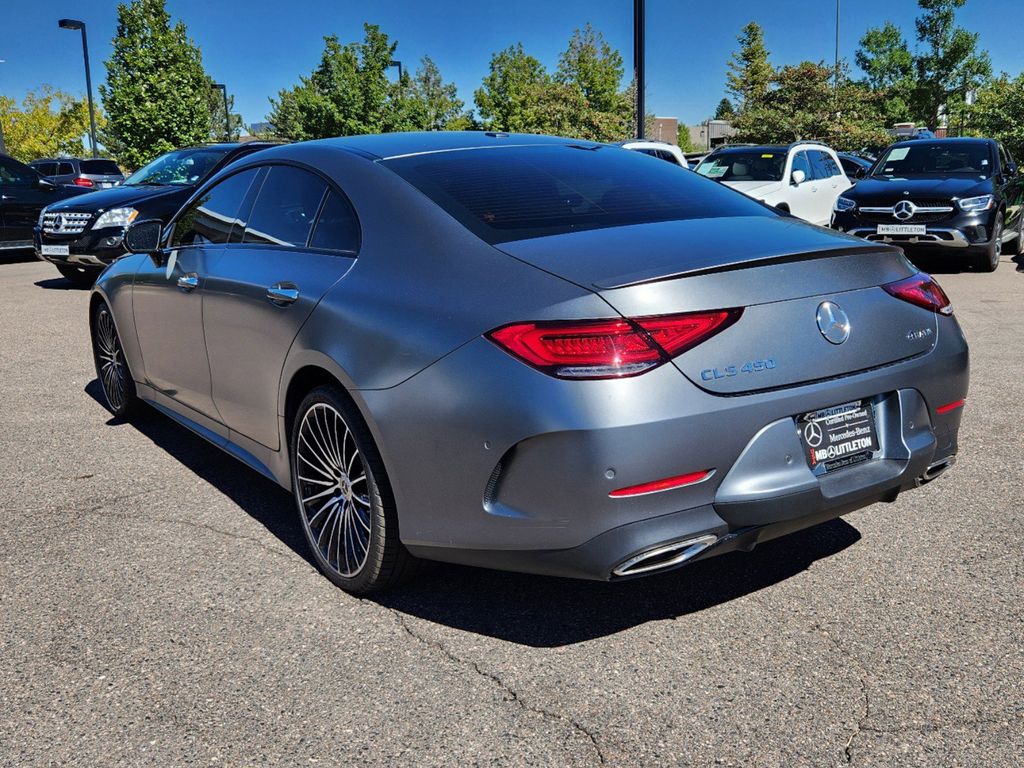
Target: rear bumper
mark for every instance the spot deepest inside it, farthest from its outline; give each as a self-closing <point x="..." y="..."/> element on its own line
<point x="494" y="464"/>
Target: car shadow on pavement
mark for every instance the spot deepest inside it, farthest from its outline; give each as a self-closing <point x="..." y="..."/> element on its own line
<point x="60" y="284"/>
<point x="538" y="611"/>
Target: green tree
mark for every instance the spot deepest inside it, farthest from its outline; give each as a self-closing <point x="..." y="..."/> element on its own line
<point x="217" y="125"/>
<point x="595" y="68"/>
<point x="802" y="104"/>
<point x="950" y="63"/>
<point x="749" y="73"/>
<point x="157" y="94"/>
<point x="348" y="93"/>
<point x="512" y="83"/>
<point x="441" y="108"/>
<point x="48" y="123"/>
<point x="725" y="110"/>
<point x="683" y="138"/>
<point x="888" y="67"/>
<point x="998" y="112"/>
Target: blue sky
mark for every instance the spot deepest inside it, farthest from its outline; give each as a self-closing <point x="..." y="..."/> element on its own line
<point x="258" y="47"/>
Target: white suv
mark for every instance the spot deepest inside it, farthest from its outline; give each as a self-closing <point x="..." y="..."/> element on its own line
<point x="660" y="149"/>
<point x="803" y="178"/>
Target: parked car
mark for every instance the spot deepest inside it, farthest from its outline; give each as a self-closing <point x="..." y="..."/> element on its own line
<point x="803" y="179"/>
<point x="659" y="149"/>
<point x="94" y="173"/>
<point x="529" y="353"/>
<point x="23" y="194"/>
<point x="854" y="166"/>
<point x="81" y="236"/>
<point x="956" y="196"/>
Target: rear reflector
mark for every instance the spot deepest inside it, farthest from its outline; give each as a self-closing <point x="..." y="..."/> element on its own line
<point x="599" y="349"/>
<point x="950" y="407"/>
<point x="666" y="484"/>
<point x="81" y="182"/>
<point x="922" y="290"/>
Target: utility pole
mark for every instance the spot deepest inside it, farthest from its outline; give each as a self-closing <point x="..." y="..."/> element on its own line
<point x="3" y="148"/>
<point x="638" y="65"/>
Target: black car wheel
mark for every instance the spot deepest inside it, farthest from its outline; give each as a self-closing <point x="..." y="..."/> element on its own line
<point x="988" y="259"/>
<point x="111" y="367"/>
<point x="343" y="496"/>
<point x="78" y="276"/>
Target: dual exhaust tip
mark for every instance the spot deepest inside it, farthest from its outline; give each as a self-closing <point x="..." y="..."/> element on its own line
<point x="665" y="556"/>
<point x="936" y="470"/>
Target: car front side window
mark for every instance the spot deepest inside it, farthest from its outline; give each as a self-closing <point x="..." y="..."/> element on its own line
<point x="211" y="216"/>
<point x="285" y="208"/>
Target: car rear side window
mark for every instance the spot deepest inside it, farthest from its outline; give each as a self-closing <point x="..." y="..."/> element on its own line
<point x="520" y="192"/>
<point x="285" y="208"/>
<point x="337" y="228"/>
<point x="65" y="169"/>
<point x="210" y="217"/>
<point x="100" y="167"/>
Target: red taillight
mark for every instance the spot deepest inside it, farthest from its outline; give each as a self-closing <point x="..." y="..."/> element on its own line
<point x="665" y="484"/>
<point x="950" y="407"/>
<point x="83" y="182"/>
<point x="922" y="290"/>
<point x="599" y="349"/>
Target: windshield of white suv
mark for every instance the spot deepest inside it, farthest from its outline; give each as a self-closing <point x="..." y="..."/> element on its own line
<point x="755" y="165"/>
<point x="936" y="159"/>
<point x="181" y="168"/>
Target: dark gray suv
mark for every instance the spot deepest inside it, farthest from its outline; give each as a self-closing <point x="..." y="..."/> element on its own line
<point x="97" y="173"/>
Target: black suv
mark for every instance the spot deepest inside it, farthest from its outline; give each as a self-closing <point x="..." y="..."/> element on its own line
<point x="81" y="236"/>
<point x="23" y="194"/>
<point x="959" y="195"/>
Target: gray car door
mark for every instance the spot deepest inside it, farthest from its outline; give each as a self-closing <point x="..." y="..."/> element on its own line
<point x="169" y="291"/>
<point x="300" y="238"/>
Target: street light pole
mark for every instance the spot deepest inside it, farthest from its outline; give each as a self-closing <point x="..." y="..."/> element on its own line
<point x="837" y="43"/>
<point x="3" y="147"/>
<point x="227" y="115"/>
<point x="76" y="24"/>
<point x="638" y="65"/>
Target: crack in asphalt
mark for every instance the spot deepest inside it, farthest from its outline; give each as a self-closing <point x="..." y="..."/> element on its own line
<point x="862" y="678"/>
<point x="496" y="680"/>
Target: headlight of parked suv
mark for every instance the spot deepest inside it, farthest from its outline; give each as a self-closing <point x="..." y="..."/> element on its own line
<point x="41" y="214"/>
<point x="844" y="204"/>
<point x="979" y="203"/>
<point x="116" y="217"/>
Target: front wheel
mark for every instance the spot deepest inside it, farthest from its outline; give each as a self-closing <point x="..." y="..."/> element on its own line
<point x="988" y="259"/>
<point x="111" y="367"/>
<point x="343" y="496"/>
<point x="78" y="276"/>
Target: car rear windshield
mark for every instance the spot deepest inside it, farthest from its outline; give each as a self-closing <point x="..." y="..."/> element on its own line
<point x="755" y="165"/>
<point x="521" y="192"/>
<point x="936" y="159"/>
<point x="100" y="167"/>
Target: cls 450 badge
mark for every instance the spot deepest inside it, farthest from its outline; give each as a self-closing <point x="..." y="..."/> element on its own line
<point x="753" y="366"/>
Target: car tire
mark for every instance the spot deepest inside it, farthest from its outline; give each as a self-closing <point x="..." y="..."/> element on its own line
<point x="112" y="371"/>
<point x="987" y="260"/>
<point x="343" y="496"/>
<point x="77" y="276"/>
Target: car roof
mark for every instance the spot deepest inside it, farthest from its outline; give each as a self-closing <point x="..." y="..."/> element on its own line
<point x="390" y="145"/>
<point x="948" y="140"/>
<point x="754" y="148"/>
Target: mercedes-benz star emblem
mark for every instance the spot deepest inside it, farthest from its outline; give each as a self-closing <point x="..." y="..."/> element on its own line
<point x="833" y="322"/>
<point x="904" y="210"/>
<point x="813" y="434"/>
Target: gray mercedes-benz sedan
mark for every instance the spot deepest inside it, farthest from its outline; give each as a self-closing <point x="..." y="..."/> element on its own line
<point x="529" y="353"/>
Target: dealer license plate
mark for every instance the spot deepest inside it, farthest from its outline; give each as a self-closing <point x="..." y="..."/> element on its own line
<point x="838" y="437"/>
<point x="902" y="229"/>
<point x="56" y="250"/>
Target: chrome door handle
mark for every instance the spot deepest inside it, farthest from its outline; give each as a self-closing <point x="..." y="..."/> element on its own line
<point x="283" y="294"/>
<point x="188" y="282"/>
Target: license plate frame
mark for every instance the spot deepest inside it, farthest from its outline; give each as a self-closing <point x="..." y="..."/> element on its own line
<point x="901" y="229"/>
<point x="55" y="250"/>
<point x="838" y="437"/>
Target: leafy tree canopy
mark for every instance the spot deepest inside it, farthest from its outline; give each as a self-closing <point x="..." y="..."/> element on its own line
<point x="749" y="72"/>
<point x="48" y="123"/>
<point x="157" y="94"/>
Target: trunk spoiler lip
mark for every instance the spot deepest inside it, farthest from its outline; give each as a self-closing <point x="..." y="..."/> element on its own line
<point x="637" y="278"/>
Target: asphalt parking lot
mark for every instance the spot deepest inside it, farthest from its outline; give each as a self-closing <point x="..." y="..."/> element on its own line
<point x="157" y="607"/>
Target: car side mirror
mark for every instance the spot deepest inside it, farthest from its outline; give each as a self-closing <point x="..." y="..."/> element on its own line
<point x="144" y="236"/>
<point x="799" y="177"/>
<point x="45" y="184"/>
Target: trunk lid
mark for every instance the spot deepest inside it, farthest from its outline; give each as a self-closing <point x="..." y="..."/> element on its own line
<point x="779" y="271"/>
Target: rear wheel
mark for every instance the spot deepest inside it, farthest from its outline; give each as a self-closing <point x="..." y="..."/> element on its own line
<point x="343" y="495"/>
<point x="111" y="367"/>
<point x="988" y="259"/>
<point x="78" y="276"/>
